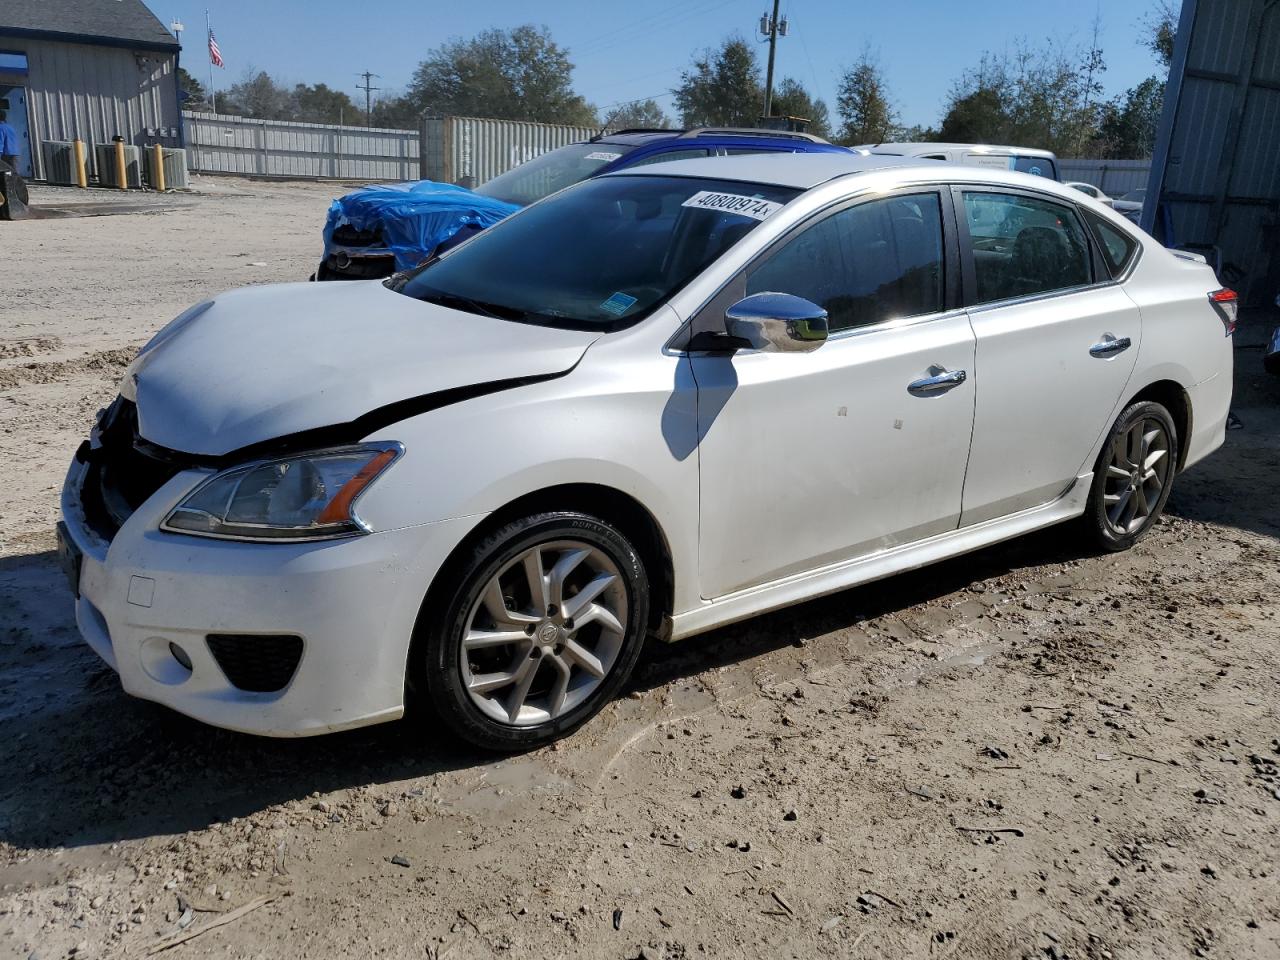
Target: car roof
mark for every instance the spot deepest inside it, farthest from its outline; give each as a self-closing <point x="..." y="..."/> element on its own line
<point x="800" y="170"/>
<point x="644" y="137"/>
<point x="919" y="147"/>
<point x="804" y="171"/>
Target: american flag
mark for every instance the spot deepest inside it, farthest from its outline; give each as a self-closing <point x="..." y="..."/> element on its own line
<point x="215" y="55"/>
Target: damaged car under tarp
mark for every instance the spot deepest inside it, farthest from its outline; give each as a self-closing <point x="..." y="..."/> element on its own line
<point x="407" y="222"/>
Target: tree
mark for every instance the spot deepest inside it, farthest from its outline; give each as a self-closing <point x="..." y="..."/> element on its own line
<point x="1034" y="97"/>
<point x="396" y="112"/>
<point x="722" y="87"/>
<point x="256" y="95"/>
<point x="322" y="104"/>
<point x="791" y="99"/>
<point x="1127" y="129"/>
<point x="862" y="103"/>
<point x="638" y="114"/>
<point x="1161" y="27"/>
<point x="974" y="117"/>
<point x="517" y="74"/>
<point x="192" y="91"/>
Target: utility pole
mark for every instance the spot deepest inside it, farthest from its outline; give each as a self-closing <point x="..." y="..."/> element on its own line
<point x="772" y="27"/>
<point x="368" y="96"/>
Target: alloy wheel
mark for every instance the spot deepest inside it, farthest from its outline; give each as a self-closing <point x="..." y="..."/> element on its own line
<point x="1137" y="472"/>
<point x="544" y="633"/>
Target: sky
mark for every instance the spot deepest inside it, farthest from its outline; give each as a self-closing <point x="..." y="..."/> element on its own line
<point x="625" y="51"/>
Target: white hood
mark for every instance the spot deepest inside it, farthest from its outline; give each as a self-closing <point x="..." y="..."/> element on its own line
<point x="266" y="362"/>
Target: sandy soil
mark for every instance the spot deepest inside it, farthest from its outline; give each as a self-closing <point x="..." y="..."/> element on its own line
<point x="1030" y="752"/>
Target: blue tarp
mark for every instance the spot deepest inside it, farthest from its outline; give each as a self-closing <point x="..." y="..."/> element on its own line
<point x="415" y="217"/>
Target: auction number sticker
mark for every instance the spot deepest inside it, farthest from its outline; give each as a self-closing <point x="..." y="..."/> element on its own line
<point x="735" y="203"/>
<point x="602" y="155"/>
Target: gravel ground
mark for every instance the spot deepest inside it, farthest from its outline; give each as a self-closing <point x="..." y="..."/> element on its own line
<point x="1030" y="752"/>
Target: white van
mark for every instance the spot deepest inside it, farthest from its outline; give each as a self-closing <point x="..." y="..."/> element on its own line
<point x="1041" y="163"/>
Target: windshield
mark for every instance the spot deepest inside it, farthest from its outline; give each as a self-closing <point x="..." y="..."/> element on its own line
<point x="599" y="256"/>
<point x="552" y="171"/>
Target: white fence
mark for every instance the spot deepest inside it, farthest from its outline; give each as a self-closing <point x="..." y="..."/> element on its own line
<point x="1115" y="178"/>
<point x="218" y="143"/>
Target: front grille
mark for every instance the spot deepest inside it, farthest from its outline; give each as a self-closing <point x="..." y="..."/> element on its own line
<point x="257" y="663"/>
<point x="349" y="236"/>
<point x="341" y="267"/>
<point x="124" y="470"/>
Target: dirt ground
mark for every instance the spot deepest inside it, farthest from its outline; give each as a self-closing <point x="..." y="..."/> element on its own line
<point x="1028" y="752"/>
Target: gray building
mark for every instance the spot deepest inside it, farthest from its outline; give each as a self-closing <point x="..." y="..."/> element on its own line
<point x="89" y="70"/>
<point x="1215" y="174"/>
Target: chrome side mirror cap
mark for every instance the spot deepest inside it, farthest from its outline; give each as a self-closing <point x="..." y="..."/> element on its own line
<point x="777" y="322"/>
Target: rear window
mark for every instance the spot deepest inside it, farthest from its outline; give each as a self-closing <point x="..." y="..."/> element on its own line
<point x="1117" y="246"/>
<point x="1036" y="166"/>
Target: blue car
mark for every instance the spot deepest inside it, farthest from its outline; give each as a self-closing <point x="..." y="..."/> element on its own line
<point x="376" y="231"/>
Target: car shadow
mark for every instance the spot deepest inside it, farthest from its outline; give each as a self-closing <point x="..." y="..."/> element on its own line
<point x="95" y="766"/>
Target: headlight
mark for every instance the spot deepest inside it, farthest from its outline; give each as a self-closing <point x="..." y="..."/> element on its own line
<point x="310" y="496"/>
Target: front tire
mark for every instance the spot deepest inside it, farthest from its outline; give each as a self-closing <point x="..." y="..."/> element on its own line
<point x="1132" y="478"/>
<point x="538" y="627"/>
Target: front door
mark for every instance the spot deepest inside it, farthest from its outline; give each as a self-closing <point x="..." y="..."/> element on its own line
<point x="812" y="459"/>
<point x="13" y="101"/>
<point x="1056" y="346"/>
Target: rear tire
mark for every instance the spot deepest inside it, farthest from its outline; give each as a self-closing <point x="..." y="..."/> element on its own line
<point x="537" y="628"/>
<point x="1132" y="478"/>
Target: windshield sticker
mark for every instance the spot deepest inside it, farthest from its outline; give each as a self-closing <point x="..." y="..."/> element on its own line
<point x="734" y="203"/>
<point x="603" y="155"/>
<point x="618" y="304"/>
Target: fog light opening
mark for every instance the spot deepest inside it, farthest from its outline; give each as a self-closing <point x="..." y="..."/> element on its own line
<point x="180" y="655"/>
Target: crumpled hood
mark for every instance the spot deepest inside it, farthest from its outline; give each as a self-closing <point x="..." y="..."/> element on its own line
<point x="267" y="362"/>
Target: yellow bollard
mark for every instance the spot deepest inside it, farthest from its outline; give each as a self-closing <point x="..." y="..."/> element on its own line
<point x="82" y="179"/>
<point x="158" y="166"/>
<point x="122" y="180"/>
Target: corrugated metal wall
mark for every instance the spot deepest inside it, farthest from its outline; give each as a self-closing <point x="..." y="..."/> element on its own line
<point x="457" y="148"/>
<point x="77" y="90"/>
<point x="1217" y="161"/>
<point x="218" y="143"/>
<point x="1115" y="178"/>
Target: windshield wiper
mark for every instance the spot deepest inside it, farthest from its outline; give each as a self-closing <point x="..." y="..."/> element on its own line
<point x="458" y="301"/>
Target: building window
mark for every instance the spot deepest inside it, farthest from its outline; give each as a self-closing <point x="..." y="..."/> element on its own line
<point x="12" y="61"/>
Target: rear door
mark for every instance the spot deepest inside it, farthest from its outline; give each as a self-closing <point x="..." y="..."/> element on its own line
<point x="1056" y="343"/>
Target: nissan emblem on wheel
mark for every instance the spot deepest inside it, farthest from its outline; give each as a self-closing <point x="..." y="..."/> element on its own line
<point x="655" y="402"/>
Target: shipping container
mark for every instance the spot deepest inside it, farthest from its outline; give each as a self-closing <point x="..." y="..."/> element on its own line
<point x="470" y="150"/>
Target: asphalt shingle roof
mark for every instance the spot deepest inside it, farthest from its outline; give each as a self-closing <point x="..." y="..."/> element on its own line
<point x="120" y="22"/>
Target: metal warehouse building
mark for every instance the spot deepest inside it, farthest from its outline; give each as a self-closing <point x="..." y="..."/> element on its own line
<point x="1216" y="169"/>
<point x="89" y="70"/>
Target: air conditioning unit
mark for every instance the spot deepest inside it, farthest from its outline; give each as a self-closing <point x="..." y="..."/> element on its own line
<point x="59" y="161"/>
<point x="105" y="153"/>
<point x="175" y="167"/>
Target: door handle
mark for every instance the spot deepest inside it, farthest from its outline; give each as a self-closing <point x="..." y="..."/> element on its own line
<point x="1109" y="346"/>
<point x="937" y="383"/>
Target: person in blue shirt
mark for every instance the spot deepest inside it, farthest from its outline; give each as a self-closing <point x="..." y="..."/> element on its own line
<point x="8" y="143"/>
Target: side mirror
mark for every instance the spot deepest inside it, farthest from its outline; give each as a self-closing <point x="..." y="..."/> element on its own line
<point x="777" y="322"/>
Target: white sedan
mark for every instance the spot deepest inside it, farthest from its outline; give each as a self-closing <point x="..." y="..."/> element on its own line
<point x="654" y="403"/>
<point x="1089" y="190"/>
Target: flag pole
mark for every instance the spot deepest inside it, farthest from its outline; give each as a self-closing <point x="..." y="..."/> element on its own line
<point x="208" y="32"/>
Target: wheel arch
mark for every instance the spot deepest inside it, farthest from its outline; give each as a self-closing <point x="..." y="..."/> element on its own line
<point x="635" y="521"/>
<point x="1173" y="397"/>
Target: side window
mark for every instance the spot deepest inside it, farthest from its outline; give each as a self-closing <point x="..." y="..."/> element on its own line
<point x="1117" y="246"/>
<point x="1024" y="246"/>
<point x="689" y="154"/>
<point x="876" y="261"/>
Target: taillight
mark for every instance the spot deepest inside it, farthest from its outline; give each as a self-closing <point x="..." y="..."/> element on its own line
<point x="1227" y="303"/>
